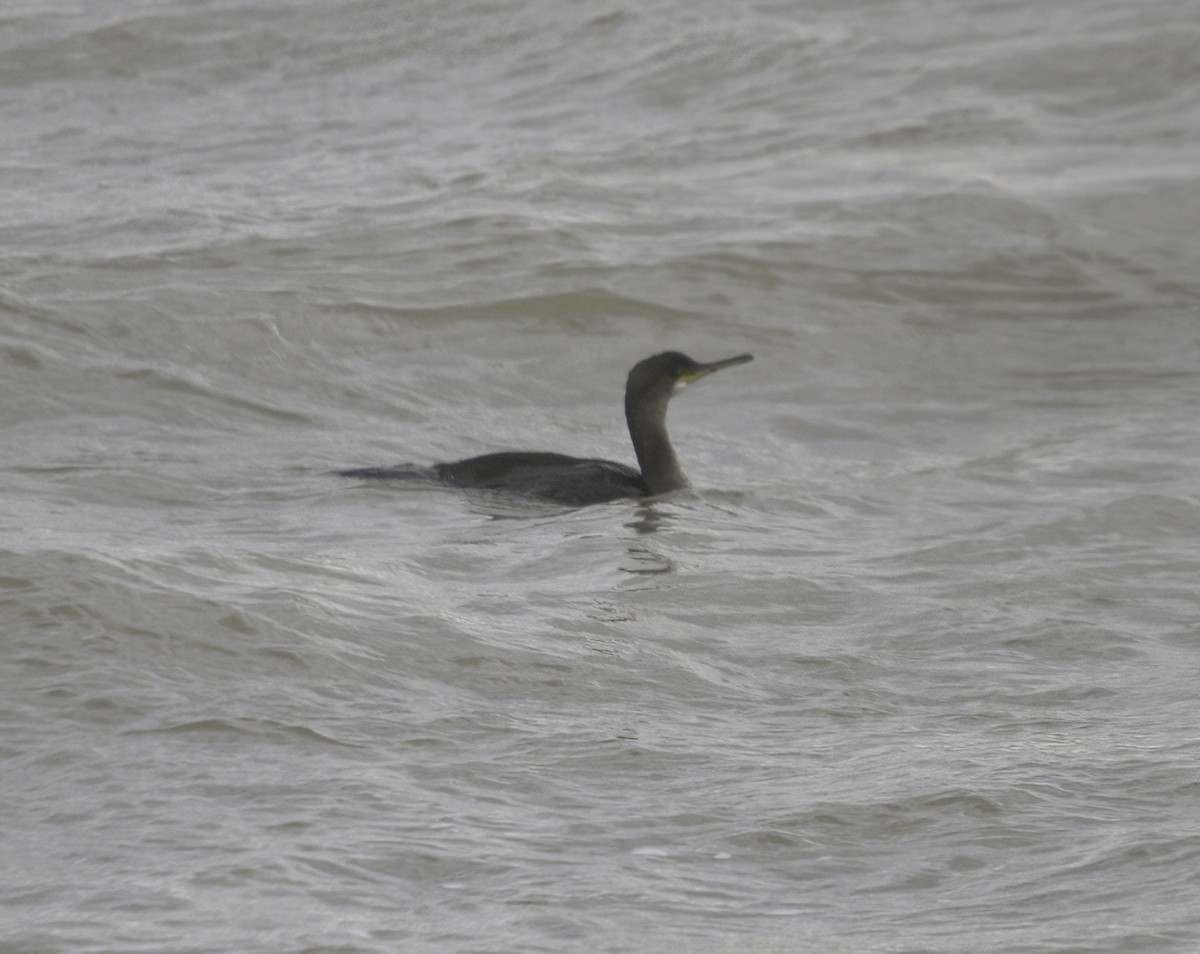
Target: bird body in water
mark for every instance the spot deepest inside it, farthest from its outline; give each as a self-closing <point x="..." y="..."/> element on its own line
<point x="576" y="480"/>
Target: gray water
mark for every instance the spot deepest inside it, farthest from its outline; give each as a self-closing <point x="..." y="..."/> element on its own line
<point x="913" y="668"/>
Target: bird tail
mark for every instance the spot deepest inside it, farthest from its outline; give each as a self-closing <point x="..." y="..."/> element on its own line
<point x="402" y="472"/>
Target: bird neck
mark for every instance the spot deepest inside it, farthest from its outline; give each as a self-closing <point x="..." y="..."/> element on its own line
<point x="656" y="457"/>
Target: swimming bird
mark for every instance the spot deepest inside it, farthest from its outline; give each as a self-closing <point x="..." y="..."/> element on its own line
<point x="578" y="480"/>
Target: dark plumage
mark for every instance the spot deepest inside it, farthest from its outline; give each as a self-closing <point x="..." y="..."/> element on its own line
<point x="576" y="480"/>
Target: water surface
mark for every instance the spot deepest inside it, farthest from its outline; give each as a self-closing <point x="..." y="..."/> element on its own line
<point x="913" y="668"/>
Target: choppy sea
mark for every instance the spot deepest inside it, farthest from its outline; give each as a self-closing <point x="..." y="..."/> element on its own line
<point x="913" y="668"/>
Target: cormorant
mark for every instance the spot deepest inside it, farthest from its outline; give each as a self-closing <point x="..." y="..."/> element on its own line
<point x="576" y="480"/>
